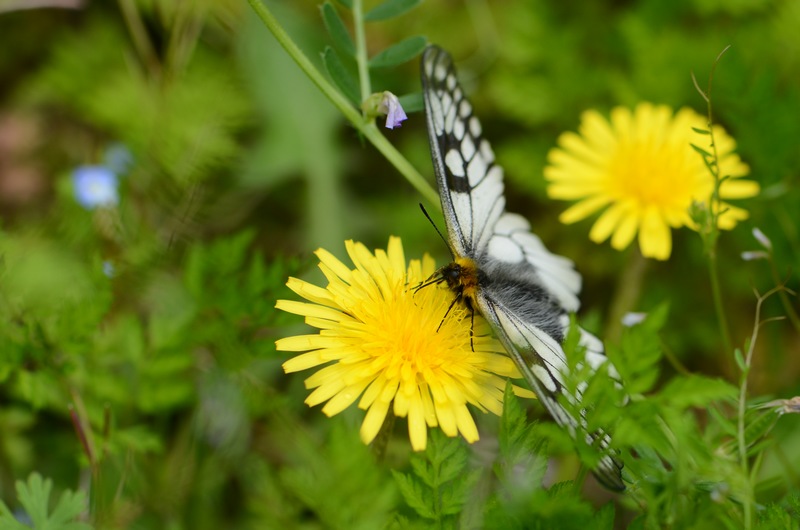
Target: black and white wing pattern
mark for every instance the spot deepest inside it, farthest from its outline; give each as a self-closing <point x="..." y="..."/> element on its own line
<point x="501" y="268"/>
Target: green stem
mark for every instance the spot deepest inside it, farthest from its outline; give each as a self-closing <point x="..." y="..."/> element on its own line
<point x="138" y="33"/>
<point x="716" y="293"/>
<point x="368" y="129"/>
<point x="626" y="294"/>
<point x="787" y="305"/>
<point x="361" y="50"/>
<point x="748" y="502"/>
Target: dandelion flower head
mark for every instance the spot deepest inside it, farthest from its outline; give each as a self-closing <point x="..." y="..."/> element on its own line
<point x="378" y="344"/>
<point x="640" y="169"/>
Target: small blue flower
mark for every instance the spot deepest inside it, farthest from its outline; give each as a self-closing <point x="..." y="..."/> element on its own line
<point x="95" y="186"/>
<point x="108" y="269"/>
<point x="390" y="106"/>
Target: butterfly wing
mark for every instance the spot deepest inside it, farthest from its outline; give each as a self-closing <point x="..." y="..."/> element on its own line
<point x="527" y="312"/>
<point x="471" y="185"/>
<point x="541" y="360"/>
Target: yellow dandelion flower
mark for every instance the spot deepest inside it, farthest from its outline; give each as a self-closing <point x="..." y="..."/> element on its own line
<point x="378" y="340"/>
<point x="641" y="169"/>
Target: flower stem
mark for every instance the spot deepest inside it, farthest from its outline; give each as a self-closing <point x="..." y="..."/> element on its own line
<point x="626" y="295"/>
<point x="787" y="305"/>
<point x="716" y="293"/>
<point x="361" y="50"/>
<point x="742" y="438"/>
<point x="368" y="129"/>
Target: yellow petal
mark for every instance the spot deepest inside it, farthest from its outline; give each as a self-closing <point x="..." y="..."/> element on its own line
<point x="417" y="432"/>
<point x="738" y="189"/>
<point x="303" y="362"/>
<point x="331" y="262"/>
<point x="606" y="223"/>
<point x="446" y="417"/>
<point x="324" y="393"/>
<point x="625" y="232"/>
<point x="373" y="421"/>
<point x="583" y="209"/>
<point x="466" y="425"/>
<point x="344" y="399"/>
<point x="310" y="310"/>
<point x="655" y="240"/>
<point x="310" y="292"/>
<point x="306" y="342"/>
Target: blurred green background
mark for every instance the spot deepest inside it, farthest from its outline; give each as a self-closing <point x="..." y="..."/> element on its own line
<point x="237" y="168"/>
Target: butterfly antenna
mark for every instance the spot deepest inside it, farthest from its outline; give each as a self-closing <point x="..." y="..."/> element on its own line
<point x="437" y="230"/>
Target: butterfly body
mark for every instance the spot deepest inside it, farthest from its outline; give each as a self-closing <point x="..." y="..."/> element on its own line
<point x="500" y="268"/>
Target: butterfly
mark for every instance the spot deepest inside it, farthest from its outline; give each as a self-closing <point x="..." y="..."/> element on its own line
<point x="500" y="268"/>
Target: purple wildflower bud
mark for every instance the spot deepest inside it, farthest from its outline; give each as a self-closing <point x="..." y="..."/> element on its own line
<point x="390" y="106"/>
<point x="95" y="186"/>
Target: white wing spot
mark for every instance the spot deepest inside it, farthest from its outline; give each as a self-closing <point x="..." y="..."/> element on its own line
<point x="467" y="148"/>
<point x="475" y="127"/>
<point x="450" y="118"/>
<point x="458" y="129"/>
<point x="544" y="376"/>
<point x="476" y="170"/>
<point x="454" y="162"/>
<point x="452" y="82"/>
<point x="486" y="151"/>
<point x="447" y="101"/>
<point x="465" y="109"/>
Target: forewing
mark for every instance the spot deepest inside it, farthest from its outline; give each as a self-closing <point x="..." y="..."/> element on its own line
<point x="471" y="186"/>
<point x="470" y="183"/>
<point x="542" y="361"/>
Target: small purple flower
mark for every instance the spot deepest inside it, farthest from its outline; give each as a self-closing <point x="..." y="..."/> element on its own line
<point x="390" y="106"/>
<point x="95" y="186"/>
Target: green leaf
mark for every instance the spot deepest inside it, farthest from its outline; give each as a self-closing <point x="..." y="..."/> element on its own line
<point x="34" y="496"/>
<point x="390" y="9"/>
<point x="513" y="423"/>
<point x="422" y="469"/>
<point x="701" y="131"/>
<point x="346" y="3"/>
<point x="758" y="427"/>
<point x="337" y="30"/>
<point x="455" y="496"/>
<point x="399" y="53"/>
<point x="414" y="495"/>
<point x="340" y="75"/>
<point x="696" y="391"/>
<point x="737" y="354"/>
<point x="604" y="518"/>
<point x="702" y="151"/>
<point x="412" y="102"/>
